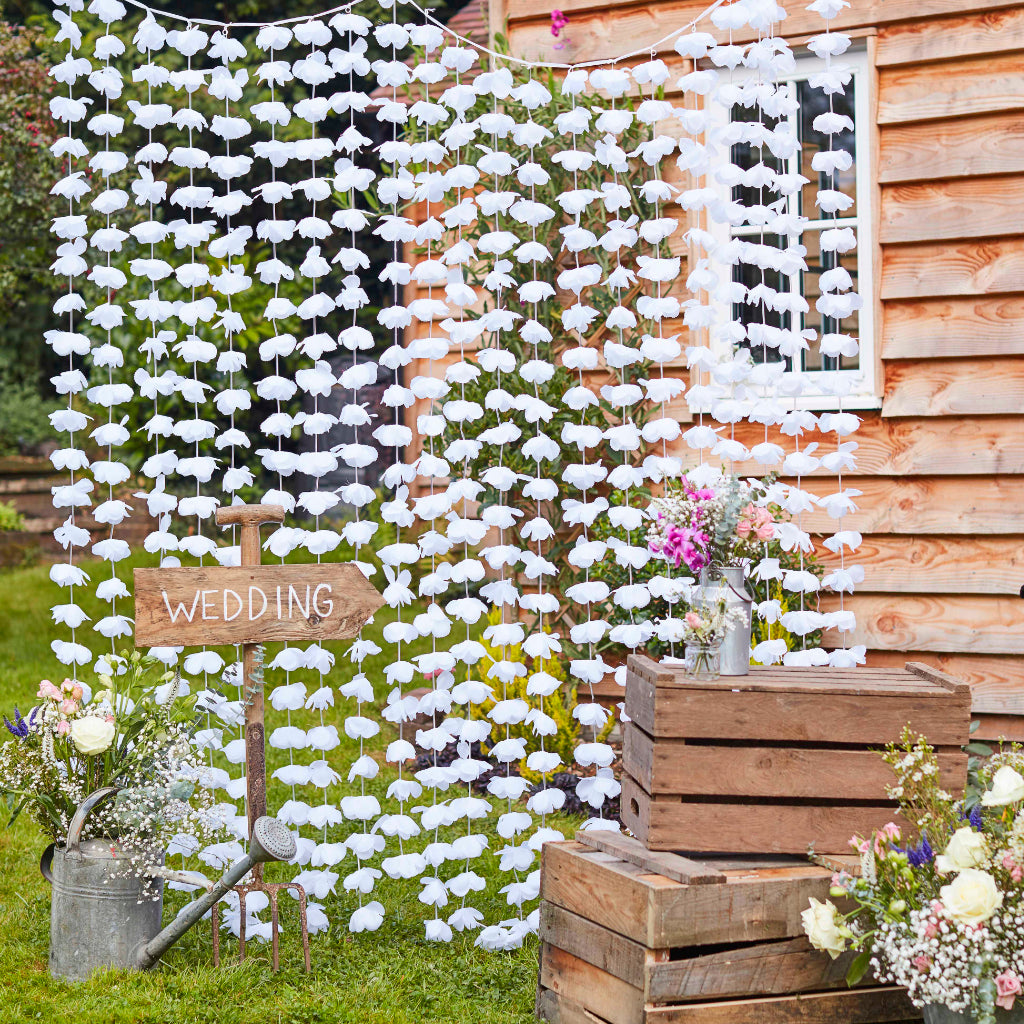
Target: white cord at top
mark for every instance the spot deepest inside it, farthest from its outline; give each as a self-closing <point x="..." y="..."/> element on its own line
<point x="237" y="24"/>
<point x="644" y="51"/>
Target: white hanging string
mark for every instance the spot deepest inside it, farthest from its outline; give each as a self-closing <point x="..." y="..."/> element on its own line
<point x="430" y="19"/>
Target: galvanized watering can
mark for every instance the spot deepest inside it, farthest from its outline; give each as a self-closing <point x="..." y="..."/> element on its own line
<point x="99" y="918"/>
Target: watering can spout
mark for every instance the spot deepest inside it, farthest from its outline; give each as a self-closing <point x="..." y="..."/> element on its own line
<point x="270" y="840"/>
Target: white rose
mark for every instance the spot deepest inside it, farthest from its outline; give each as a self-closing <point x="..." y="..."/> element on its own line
<point x="966" y="849"/>
<point x="1007" y="788"/>
<point x="972" y="897"/>
<point x="92" y="735"/>
<point x="819" y="921"/>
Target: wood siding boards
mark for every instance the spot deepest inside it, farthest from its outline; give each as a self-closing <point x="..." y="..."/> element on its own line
<point x="941" y="465"/>
<point x="986" y="144"/>
<point x="953" y="327"/>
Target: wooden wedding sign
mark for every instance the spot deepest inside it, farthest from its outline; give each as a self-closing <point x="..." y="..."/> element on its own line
<point x="250" y="605"/>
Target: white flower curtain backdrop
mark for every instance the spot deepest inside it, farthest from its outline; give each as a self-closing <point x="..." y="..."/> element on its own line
<point x="523" y="323"/>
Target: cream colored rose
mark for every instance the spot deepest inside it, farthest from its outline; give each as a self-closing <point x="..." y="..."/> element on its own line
<point x="972" y="897"/>
<point x="819" y="921"/>
<point x="966" y="849"/>
<point x="91" y="735"/>
<point x="1007" y="788"/>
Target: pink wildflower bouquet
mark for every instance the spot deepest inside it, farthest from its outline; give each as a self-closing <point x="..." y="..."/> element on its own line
<point x="726" y="523"/>
<point x="940" y="912"/>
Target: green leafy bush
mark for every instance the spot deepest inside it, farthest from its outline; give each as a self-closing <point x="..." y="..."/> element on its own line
<point x="10" y="518"/>
<point x="24" y="421"/>
<point x="559" y="705"/>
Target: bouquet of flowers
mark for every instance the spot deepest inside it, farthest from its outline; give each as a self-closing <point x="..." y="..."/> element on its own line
<point x="942" y="916"/>
<point x="725" y="523"/>
<point x="706" y="625"/>
<point x="135" y="733"/>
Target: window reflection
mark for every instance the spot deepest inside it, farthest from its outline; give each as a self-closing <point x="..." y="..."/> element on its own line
<point x="749" y="162"/>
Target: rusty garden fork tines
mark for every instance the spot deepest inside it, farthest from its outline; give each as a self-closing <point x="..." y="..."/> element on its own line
<point x="273" y="891"/>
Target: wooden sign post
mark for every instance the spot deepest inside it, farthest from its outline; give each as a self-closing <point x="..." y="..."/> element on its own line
<point x="251" y="604"/>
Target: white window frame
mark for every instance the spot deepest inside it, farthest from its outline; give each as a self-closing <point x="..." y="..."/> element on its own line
<point x="866" y="390"/>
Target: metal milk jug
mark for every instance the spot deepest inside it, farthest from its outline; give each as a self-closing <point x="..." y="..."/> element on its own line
<point x="98" y="917"/>
<point x="728" y="584"/>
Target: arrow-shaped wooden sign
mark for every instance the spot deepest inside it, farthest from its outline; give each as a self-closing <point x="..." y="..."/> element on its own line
<point x="250" y="605"/>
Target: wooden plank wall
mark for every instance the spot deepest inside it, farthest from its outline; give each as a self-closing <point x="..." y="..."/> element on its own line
<point x="941" y="466"/>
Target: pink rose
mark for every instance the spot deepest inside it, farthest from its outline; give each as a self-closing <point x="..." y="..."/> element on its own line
<point x="922" y="963"/>
<point x="62" y="728"/>
<point x="47" y="689"/>
<point x="743" y="528"/>
<point x="765" y="531"/>
<point x="76" y="692"/>
<point x="68" y="707"/>
<point x="693" y="620"/>
<point x="1007" y="989"/>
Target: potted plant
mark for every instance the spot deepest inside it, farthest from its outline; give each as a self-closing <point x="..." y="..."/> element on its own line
<point x="940" y="913"/>
<point x="716" y="531"/>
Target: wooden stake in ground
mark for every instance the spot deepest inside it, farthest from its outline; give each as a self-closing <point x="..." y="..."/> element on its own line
<point x="253" y="604"/>
<point x="250" y="518"/>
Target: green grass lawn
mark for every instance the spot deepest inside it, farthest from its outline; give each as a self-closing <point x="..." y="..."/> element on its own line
<point x="392" y="976"/>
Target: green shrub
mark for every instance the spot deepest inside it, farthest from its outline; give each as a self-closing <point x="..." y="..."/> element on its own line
<point x="559" y="705"/>
<point x="10" y="517"/>
<point x="24" y="418"/>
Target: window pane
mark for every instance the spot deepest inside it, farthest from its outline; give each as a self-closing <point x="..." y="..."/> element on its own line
<point x="746" y="157"/>
<point x="757" y="312"/>
<point x="817" y="263"/>
<point x="812" y="103"/>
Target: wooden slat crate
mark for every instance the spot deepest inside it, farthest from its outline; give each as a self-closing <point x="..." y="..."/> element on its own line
<point x="778" y="760"/>
<point x="622" y="942"/>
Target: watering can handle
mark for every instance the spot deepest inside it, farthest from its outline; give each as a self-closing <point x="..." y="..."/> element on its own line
<point x="46" y="863"/>
<point x="78" y="821"/>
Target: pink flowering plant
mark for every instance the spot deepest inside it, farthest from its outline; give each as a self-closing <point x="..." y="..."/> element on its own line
<point x="135" y="733"/>
<point x="726" y="523"/>
<point x="940" y="910"/>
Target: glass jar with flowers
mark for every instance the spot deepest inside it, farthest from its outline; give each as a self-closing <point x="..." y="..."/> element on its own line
<point x="941" y="911"/>
<point x="704" y="629"/>
<point x="716" y="531"/>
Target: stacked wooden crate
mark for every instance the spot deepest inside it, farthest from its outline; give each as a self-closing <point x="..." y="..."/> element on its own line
<point x="780" y="759"/>
<point x="634" y="937"/>
<point x="742" y="774"/>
